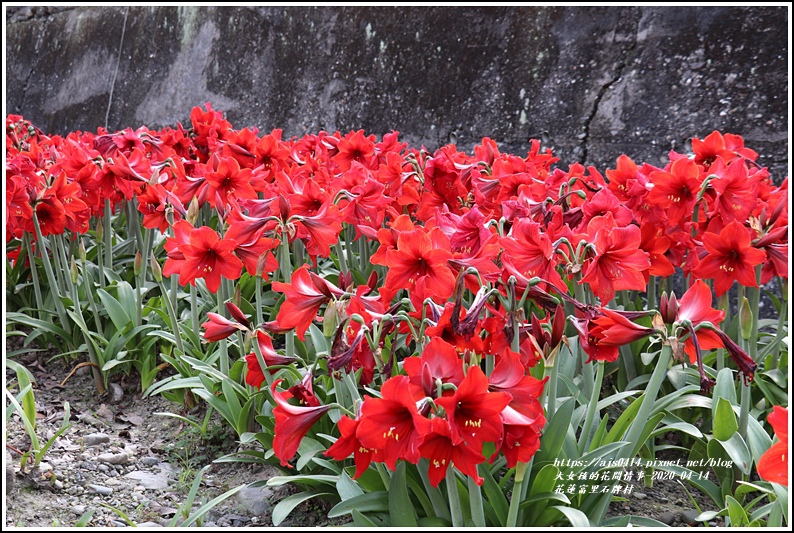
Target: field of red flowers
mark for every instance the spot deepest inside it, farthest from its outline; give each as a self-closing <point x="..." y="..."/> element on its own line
<point x="420" y="338"/>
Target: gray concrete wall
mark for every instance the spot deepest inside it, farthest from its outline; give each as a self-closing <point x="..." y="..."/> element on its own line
<point x="591" y="82"/>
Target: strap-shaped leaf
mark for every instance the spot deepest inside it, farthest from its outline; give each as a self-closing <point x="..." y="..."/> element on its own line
<point x="288" y="504"/>
<point x="401" y="510"/>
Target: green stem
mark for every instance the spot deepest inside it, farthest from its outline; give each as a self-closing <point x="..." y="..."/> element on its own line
<point x="551" y="404"/>
<point x="172" y="313"/>
<point x="258" y="318"/>
<point x="724" y="305"/>
<point x="194" y="311"/>
<point x="286" y="275"/>
<point x="515" y="499"/>
<point x="591" y="409"/>
<point x="88" y="287"/>
<point x="651" y="294"/>
<point x="755" y="301"/>
<point x="223" y="346"/>
<point x="744" y="412"/>
<point x="781" y="321"/>
<point x="436" y="497"/>
<point x="33" y="272"/>
<point x="107" y="235"/>
<point x="456" y="511"/>
<point x="340" y="254"/>
<point x="45" y="260"/>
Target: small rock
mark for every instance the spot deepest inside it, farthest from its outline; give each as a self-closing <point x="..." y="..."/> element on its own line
<point x="78" y="510"/>
<point x="149" y="480"/>
<point x="713" y="523"/>
<point x="117" y="523"/>
<point x="688" y="517"/>
<point x="254" y="500"/>
<point x="150" y="461"/>
<point x="116" y="393"/>
<point x="114" y="458"/>
<point x="640" y="495"/>
<point x="667" y="518"/>
<point x="103" y="468"/>
<point x="95" y="439"/>
<point x="99" y="489"/>
<point x="149" y="524"/>
<point x="58" y="485"/>
<point x="664" y="500"/>
<point x="105" y="413"/>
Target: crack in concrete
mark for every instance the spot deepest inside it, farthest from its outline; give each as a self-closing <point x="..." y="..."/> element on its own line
<point x="604" y="88"/>
<point x="118" y="60"/>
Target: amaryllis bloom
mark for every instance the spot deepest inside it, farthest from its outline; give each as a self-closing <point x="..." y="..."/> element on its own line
<point x="355" y="147"/>
<point x="676" y="191"/>
<point x="736" y="191"/>
<point x="602" y="334"/>
<point x="695" y="306"/>
<point x="530" y="252"/>
<point x="255" y="375"/>
<point x="474" y="412"/>
<point x="656" y="244"/>
<point x="728" y="147"/>
<point x="393" y="423"/>
<point x="730" y="257"/>
<point x="292" y="423"/>
<point x="173" y="246"/>
<point x="773" y="464"/>
<point x="227" y="179"/>
<point x="304" y="299"/>
<point x="219" y="327"/>
<point x="210" y="257"/>
<point x="441" y="453"/>
<point x="415" y="258"/>
<point x="348" y="444"/>
<point x="619" y="262"/>
<point x="439" y="362"/>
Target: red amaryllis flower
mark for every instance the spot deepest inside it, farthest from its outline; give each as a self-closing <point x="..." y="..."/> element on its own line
<point x="508" y="376"/>
<point x="348" y="444"/>
<point x="441" y="452"/>
<point x="743" y="361"/>
<point x="619" y="262"/>
<point x="292" y="423"/>
<point x="530" y="252"/>
<point x="676" y="191"/>
<point x="695" y="306"/>
<point x="602" y="335"/>
<point x="736" y="191"/>
<point x="715" y="144"/>
<point x="355" y="147"/>
<point x="439" y="362"/>
<point x="416" y="257"/>
<point x="393" y="423"/>
<point x="656" y="244"/>
<point x="519" y="443"/>
<point x="255" y="375"/>
<point x="227" y="179"/>
<point x="474" y="412"/>
<point x="730" y="258"/>
<point x="209" y="257"/>
<point x="320" y="231"/>
<point x="304" y="296"/>
<point x="773" y="464"/>
<point x="219" y="327"/>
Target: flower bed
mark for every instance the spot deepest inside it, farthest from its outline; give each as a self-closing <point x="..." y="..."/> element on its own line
<point x="423" y="338"/>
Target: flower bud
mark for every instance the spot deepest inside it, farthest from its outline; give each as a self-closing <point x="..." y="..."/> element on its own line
<point x="193" y="211"/>
<point x="668" y="307"/>
<point x="330" y="319"/>
<point x="157" y="272"/>
<point x="137" y="263"/>
<point x="81" y="250"/>
<point x="745" y="319"/>
<point x="73" y="271"/>
<point x="100" y="230"/>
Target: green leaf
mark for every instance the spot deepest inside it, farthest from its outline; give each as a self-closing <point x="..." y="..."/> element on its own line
<point x="362" y="521"/>
<point x="285" y="506"/>
<point x="204" y="509"/>
<point x="738" y="452"/>
<point x="725" y="424"/>
<point x="554" y="434"/>
<point x="368" y="502"/>
<point x="115" y="310"/>
<point x="758" y="439"/>
<point x="623" y="422"/>
<point x="782" y="499"/>
<point x="493" y="494"/>
<point x="307" y="450"/>
<point x="347" y="488"/>
<point x="736" y="513"/>
<point x="401" y="510"/>
<point x="724" y="388"/>
<point x="316" y="479"/>
<point x="576" y="517"/>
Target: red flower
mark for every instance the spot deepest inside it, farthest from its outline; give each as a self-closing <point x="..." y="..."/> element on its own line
<point x="677" y="190"/>
<point x="292" y="423"/>
<point x="441" y="452"/>
<point x="304" y="299"/>
<point x="530" y="252"/>
<point x="618" y="263"/>
<point x="355" y="147"/>
<point x="730" y="258"/>
<point x="173" y="246"/>
<point x="348" y="443"/>
<point x="736" y="192"/>
<point x="392" y="423"/>
<point x="695" y="306"/>
<point x="603" y="334"/>
<point x="218" y="327"/>
<point x="209" y="257"/>
<point x="227" y="179"/>
<point x="773" y="464"/>
<point x="255" y="375"/>
<point x="474" y="412"/>
<point x="416" y="257"/>
<point x="439" y="361"/>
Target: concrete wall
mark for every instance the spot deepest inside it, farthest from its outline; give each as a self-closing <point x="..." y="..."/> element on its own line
<point x="591" y="82"/>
